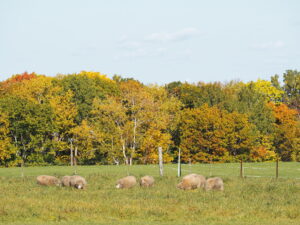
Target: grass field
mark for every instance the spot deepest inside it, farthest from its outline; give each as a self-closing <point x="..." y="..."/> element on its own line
<point x="257" y="199"/>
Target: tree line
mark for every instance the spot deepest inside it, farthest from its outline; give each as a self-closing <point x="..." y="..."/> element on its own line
<point x="91" y="119"/>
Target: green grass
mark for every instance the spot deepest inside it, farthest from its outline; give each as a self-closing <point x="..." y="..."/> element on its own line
<point x="253" y="200"/>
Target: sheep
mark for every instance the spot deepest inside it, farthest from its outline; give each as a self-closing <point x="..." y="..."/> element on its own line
<point x="48" y="180"/>
<point x="77" y="182"/>
<point x="126" y="182"/>
<point x="65" y="181"/>
<point x="147" y="181"/>
<point x="215" y="183"/>
<point x="192" y="181"/>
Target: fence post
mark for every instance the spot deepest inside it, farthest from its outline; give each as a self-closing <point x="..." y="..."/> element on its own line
<point x="179" y="163"/>
<point x="210" y="166"/>
<point x="71" y="151"/>
<point x="75" y="160"/>
<point x="160" y="157"/>
<point x="241" y="169"/>
<point x="277" y="162"/>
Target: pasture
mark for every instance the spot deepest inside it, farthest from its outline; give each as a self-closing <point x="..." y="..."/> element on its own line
<point x="256" y="199"/>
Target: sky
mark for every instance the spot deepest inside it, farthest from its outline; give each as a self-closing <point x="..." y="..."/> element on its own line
<point x="154" y="41"/>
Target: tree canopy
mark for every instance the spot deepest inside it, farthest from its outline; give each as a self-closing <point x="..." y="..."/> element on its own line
<point x="121" y="120"/>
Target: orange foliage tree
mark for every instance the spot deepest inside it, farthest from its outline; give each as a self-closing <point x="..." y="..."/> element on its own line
<point x="287" y="132"/>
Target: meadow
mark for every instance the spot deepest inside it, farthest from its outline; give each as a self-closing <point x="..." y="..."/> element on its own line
<point x="256" y="199"/>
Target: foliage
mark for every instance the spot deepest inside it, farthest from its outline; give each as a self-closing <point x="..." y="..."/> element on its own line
<point x="7" y="150"/>
<point x="271" y="93"/>
<point x="287" y="132"/>
<point x="210" y="134"/>
<point x="122" y="121"/>
<point x="291" y="79"/>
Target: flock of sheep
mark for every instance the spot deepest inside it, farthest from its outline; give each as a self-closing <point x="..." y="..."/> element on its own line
<point x="189" y="182"/>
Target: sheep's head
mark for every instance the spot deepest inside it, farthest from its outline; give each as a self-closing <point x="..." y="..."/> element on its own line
<point x="58" y="183"/>
<point x="79" y="185"/>
<point x="142" y="182"/>
<point x="179" y="186"/>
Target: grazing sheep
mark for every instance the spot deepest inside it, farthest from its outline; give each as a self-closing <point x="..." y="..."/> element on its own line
<point x="147" y="181"/>
<point x="66" y="181"/>
<point x="215" y="183"/>
<point x="77" y="182"/>
<point x="48" y="180"/>
<point x="126" y="182"/>
<point x="192" y="181"/>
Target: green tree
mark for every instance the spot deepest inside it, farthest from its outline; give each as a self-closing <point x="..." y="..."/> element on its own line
<point x="254" y="104"/>
<point x="86" y="86"/>
<point x="30" y="126"/>
<point x="291" y="79"/>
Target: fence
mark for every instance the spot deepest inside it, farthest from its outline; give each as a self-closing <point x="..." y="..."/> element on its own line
<point x="245" y="169"/>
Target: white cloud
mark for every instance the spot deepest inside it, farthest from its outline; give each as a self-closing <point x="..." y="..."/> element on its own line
<point x="141" y="53"/>
<point x="123" y="38"/>
<point x="153" y="45"/>
<point x="180" y="35"/>
<point x="270" y="45"/>
<point x="130" y="44"/>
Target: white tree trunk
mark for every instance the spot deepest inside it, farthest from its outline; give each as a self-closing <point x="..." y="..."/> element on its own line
<point x="124" y="153"/>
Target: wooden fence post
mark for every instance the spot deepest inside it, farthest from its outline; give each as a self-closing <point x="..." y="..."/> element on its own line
<point x="241" y="169"/>
<point x="210" y="166"/>
<point x="75" y="160"/>
<point x="277" y="162"/>
<point x="160" y="157"/>
<point x="71" y="151"/>
<point x="179" y="163"/>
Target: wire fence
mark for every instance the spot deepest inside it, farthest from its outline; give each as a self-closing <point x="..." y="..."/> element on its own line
<point x="244" y="170"/>
<point x="286" y="170"/>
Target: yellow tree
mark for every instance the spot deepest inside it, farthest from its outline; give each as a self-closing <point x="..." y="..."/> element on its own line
<point x="208" y="133"/>
<point x="65" y="112"/>
<point x="159" y="122"/>
<point x="109" y="117"/>
<point x="7" y="150"/>
<point x="85" y="140"/>
<point x="37" y="90"/>
<point x="270" y="92"/>
<point x="136" y="100"/>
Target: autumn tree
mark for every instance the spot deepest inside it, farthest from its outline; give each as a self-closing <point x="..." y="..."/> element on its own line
<point x="7" y="150"/>
<point x="65" y="112"/>
<point x="159" y="124"/>
<point x="110" y="118"/>
<point x="13" y="82"/>
<point x="86" y="86"/>
<point x="85" y="140"/>
<point x="208" y="133"/>
<point x="287" y="132"/>
<point x="270" y="92"/>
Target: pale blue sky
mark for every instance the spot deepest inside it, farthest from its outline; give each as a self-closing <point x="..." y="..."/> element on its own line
<point x="154" y="41"/>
